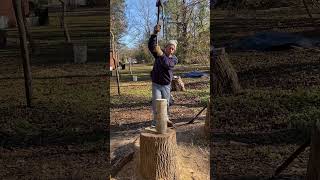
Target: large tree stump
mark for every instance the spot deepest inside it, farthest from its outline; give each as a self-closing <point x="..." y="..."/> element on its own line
<point x="226" y="79"/>
<point x="177" y="84"/>
<point x="158" y="155"/>
<point x="313" y="172"/>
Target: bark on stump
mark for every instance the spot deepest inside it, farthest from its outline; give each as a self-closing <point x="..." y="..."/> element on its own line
<point x="226" y="77"/>
<point x="313" y="172"/>
<point x="158" y="155"/>
<point x="177" y="84"/>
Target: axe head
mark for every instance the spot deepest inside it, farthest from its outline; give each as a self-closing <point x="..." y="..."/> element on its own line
<point x="159" y="3"/>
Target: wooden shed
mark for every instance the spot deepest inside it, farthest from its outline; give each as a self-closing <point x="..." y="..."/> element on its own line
<point x="6" y="10"/>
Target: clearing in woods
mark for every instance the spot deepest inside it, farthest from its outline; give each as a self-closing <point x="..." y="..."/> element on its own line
<point x="131" y="113"/>
<point x="257" y="130"/>
<point x="63" y="134"/>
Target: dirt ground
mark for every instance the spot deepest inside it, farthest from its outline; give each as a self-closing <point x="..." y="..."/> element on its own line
<point x="64" y="134"/>
<point x="254" y="132"/>
<point x="131" y="113"/>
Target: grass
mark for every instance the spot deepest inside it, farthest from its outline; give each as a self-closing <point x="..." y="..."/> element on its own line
<point x="140" y="91"/>
<point x="64" y="109"/>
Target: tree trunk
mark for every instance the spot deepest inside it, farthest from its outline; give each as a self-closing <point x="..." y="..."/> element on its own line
<point x="313" y="172"/>
<point x="28" y="32"/>
<point x="3" y="38"/>
<point x="158" y="155"/>
<point x="308" y="11"/>
<point x="17" y="5"/>
<point x="226" y="78"/>
<point x="207" y="124"/>
<point x="65" y="27"/>
<point x="177" y="84"/>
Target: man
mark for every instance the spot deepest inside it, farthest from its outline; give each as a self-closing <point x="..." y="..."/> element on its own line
<point x="162" y="72"/>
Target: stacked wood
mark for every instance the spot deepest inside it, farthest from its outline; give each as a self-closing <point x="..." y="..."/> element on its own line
<point x="177" y="84"/>
<point x="313" y="172"/>
<point x="158" y="155"/>
<point x="226" y="79"/>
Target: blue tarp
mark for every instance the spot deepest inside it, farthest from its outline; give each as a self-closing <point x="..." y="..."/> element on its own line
<point x="264" y="41"/>
<point x="194" y="74"/>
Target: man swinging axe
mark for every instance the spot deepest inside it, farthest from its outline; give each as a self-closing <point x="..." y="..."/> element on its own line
<point x="162" y="72"/>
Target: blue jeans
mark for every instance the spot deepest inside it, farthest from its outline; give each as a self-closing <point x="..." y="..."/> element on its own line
<point x="159" y="92"/>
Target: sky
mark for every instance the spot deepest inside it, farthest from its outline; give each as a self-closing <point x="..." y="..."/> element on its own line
<point x="135" y="18"/>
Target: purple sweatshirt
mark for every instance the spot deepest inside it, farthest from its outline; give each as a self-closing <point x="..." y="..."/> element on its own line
<point x="161" y="73"/>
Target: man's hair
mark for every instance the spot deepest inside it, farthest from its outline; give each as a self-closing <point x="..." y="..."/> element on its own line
<point x="172" y="42"/>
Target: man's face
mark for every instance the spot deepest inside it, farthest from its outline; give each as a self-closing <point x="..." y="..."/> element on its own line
<point x="170" y="50"/>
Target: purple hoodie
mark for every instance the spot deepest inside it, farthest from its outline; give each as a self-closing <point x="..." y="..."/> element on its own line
<point x="161" y="73"/>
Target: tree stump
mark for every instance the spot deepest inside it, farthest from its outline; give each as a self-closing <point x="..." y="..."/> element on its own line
<point x="313" y="172"/>
<point x="158" y="155"/>
<point x="177" y="84"/>
<point x="80" y="53"/>
<point x="226" y="78"/>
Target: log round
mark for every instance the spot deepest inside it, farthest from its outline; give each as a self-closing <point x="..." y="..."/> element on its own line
<point x="158" y="155"/>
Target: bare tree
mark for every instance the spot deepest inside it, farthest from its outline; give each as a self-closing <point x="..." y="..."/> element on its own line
<point x="63" y="22"/>
<point x="17" y="5"/>
<point x="28" y="32"/>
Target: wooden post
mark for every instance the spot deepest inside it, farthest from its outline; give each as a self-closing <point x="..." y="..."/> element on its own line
<point x="158" y="155"/>
<point x="17" y="5"/>
<point x="130" y="67"/>
<point x="65" y="28"/>
<point x="313" y="172"/>
<point x="28" y="32"/>
<point x="114" y="56"/>
<point x="161" y="115"/>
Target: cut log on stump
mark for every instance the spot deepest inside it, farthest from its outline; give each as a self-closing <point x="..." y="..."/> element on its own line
<point x="158" y="155"/>
<point x="226" y="77"/>
<point x="161" y="116"/>
<point x="313" y="172"/>
<point x="177" y="84"/>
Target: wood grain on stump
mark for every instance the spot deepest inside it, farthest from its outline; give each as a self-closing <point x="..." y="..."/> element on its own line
<point x="158" y="155"/>
<point x="313" y="172"/>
